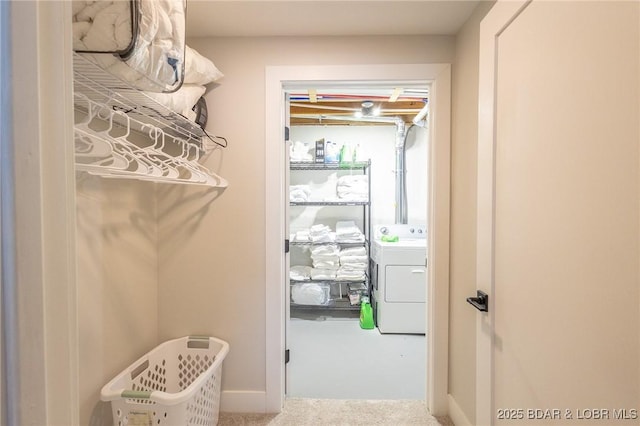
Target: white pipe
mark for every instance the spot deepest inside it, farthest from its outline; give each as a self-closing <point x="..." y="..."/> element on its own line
<point x="400" y="172"/>
<point x="419" y="119"/>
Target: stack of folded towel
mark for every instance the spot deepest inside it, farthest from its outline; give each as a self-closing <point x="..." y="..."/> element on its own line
<point x="321" y="234"/>
<point x="353" y="264"/>
<point x="353" y="187"/>
<point x="299" y="193"/>
<point x="325" y="256"/>
<point x="325" y="261"/>
<point x="348" y="232"/>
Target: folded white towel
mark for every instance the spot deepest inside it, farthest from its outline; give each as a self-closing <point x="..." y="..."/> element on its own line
<point x="347" y="227"/>
<point x="326" y="257"/>
<point x="329" y="237"/>
<point x="353" y="187"/>
<point x="325" y="264"/>
<point x="325" y="261"/>
<point x="302" y="236"/>
<point x="352" y="180"/>
<point x="348" y="239"/>
<point x="329" y="249"/>
<point x="321" y="234"/>
<point x="344" y="260"/>
<point x="353" y="196"/>
<point x="354" y="267"/>
<point x="300" y="273"/>
<point x="299" y="193"/>
<point x="318" y="274"/>
<point x="353" y="251"/>
<point x="347" y="231"/>
<point x="319" y="229"/>
<point x="349" y="275"/>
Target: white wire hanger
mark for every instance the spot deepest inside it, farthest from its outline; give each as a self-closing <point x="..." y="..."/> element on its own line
<point x="111" y="151"/>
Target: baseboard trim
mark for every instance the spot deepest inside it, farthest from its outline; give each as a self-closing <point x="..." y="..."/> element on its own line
<point x="456" y="414"/>
<point x="243" y="402"/>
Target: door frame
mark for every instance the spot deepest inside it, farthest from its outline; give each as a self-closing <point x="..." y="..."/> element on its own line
<point x="501" y="15"/>
<point x="438" y="76"/>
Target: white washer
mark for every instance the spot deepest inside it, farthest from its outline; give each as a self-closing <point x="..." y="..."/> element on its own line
<point x="399" y="279"/>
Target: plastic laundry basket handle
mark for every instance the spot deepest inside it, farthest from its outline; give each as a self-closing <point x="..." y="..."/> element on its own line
<point x="131" y="394"/>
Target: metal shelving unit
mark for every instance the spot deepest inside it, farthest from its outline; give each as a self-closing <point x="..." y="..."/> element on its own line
<point x="343" y="303"/>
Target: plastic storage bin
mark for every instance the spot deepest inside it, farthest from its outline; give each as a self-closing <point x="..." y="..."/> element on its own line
<point x="177" y="383"/>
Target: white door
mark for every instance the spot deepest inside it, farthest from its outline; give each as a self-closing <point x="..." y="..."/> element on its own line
<point x="558" y="213"/>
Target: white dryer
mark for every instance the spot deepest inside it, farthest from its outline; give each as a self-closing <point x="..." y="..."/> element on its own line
<point x="399" y="278"/>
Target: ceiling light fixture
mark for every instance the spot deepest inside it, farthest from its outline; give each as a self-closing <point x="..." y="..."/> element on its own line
<point x="367" y="108"/>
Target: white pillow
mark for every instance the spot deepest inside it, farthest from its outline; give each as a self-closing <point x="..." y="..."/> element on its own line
<point x="182" y="100"/>
<point x="198" y="69"/>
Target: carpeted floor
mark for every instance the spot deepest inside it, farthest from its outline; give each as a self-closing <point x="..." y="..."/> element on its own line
<point x="335" y="412"/>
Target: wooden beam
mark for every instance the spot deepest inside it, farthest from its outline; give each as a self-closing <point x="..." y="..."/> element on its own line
<point x="313" y="96"/>
<point x="394" y="95"/>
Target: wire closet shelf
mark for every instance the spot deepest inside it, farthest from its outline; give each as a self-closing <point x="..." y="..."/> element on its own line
<point x="113" y="115"/>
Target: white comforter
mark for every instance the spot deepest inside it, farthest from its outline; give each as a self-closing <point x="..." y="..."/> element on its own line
<point x="156" y="63"/>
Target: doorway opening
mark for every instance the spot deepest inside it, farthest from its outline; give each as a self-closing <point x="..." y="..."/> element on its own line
<point x="357" y="166"/>
<point x="288" y="78"/>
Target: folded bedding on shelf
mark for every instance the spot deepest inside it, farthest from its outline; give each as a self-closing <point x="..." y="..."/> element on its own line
<point x="361" y="267"/>
<point x="301" y="236"/>
<point x="323" y="238"/>
<point x="299" y="193"/>
<point x="347" y="260"/>
<point x="101" y="25"/>
<point x="151" y="59"/>
<point x="321" y="234"/>
<point x="310" y="294"/>
<point x="198" y="72"/>
<point x="326" y="250"/>
<point x="353" y="251"/>
<point x="353" y="187"/>
<point x="350" y="275"/>
<point x="347" y="231"/>
<point x="325" y="260"/>
<point x="300" y="152"/>
<point x="300" y="273"/>
<point x="358" y="239"/>
<point x="182" y="100"/>
<point x="318" y="274"/>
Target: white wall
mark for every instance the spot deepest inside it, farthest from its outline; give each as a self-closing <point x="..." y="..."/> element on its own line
<point x="378" y="144"/>
<point x="117" y="283"/>
<point x="211" y="260"/>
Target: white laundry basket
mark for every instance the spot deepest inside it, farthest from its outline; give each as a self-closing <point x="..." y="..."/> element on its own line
<point x="177" y="383"/>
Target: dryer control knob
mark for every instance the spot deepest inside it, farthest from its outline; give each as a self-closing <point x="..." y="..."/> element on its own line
<point x="384" y="230"/>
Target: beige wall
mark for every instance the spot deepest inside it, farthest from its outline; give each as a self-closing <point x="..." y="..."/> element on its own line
<point x="212" y="244"/>
<point x="116" y="282"/>
<point x="462" y="325"/>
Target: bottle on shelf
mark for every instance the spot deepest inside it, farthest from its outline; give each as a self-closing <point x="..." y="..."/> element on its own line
<point x="331" y="152"/>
